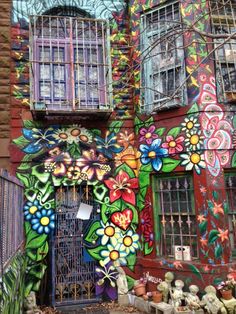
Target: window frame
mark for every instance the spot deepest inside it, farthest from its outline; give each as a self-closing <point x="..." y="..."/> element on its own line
<point x="158" y="212"/>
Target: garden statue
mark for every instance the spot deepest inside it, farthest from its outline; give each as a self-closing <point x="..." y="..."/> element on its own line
<point x="163" y="287"/>
<point x="192" y="298"/>
<point x="169" y="277"/>
<point x="211" y="303"/>
<point x="121" y="281"/>
<point x="30" y="305"/>
<point x="177" y="294"/>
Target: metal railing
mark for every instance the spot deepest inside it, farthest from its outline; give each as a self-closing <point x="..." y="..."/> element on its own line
<point x="11" y="217"/>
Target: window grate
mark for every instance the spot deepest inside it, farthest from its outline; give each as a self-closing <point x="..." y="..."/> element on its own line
<point x="70" y="65"/>
<point x="176" y="215"/>
<point x="162" y="52"/>
<point x="223" y="18"/>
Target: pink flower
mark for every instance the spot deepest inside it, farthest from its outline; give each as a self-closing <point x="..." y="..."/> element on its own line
<point x="121" y="187"/>
<point x="148" y="135"/>
<point x="56" y="164"/>
<point x="173" y="145"/>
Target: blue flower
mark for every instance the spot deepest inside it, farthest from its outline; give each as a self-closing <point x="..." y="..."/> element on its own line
<point x="108" y="145"/>
<point x="38" y="139"/>
<point x="31" y="208"/>
<point x="152" y="154"/>
<point x="44" y="221"/>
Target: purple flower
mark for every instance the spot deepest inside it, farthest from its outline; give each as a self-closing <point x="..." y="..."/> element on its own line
<point x="106" y="284"/>
<point x="148" y="135"/>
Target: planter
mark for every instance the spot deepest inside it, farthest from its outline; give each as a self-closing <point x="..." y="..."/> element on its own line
<point x="140" y="289"/>
<point x="156" y="296"/>
<point x="226" y="294"/>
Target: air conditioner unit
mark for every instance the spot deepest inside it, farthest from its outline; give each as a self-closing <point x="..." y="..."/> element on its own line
<point x="39" y="105"/>
<point x="230" y="55"/>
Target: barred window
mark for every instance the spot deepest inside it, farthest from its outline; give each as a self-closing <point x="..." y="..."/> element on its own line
<point x="162" y="59"/>
<point x="70" y="65"/>
<point x="230" y="186"/>
<point x="223" y="18"/>
<point x="176" y="221"/>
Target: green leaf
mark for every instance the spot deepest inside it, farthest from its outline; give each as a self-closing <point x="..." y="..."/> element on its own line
<point x="91" y="235"/>
<point x="95" y="252"/>
<point x="193" y="109"/>
<point x="28" y="287"/>
<point x="213" y="236"/>
<point x="137" y="124"/>
<point x="24" y="178"/>
<point x="104" y="215"/>
<point x="38" y="254"/>
<point x="29" y="124"/>
<point x="160" y="131"/>
<point x="38" y="172"/>
<point x="148" y="122"/>
<point x="35" y="240"/>
<point x="38" y="270"/>
<point x="24" y="166"/>
<point x="74" y="150"/>
<point x="218" y="251"/>
<point x="21" y="141"/>
<point x="203" y="226"/>
<point x="233" y="162"/>
<point x="130" y="282"/>
<point x="195" y="270"/>
<point x="131" y="261"/>
<point x="234" y="121"/>
<point x="174" y="131"/>
<point x="115" y="126"/>
<point x="147" y="250"/>
<point x="96" y="132"/>
<point x="169" y="164"/>
<point x="126" y="169"/>
<point x="215" y="195"/>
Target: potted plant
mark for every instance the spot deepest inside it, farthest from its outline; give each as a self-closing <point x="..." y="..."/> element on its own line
<point x="226" y="287"/>
<point x="140" y="287"/>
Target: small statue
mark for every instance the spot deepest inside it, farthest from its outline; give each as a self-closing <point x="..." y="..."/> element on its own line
<point x="192" y="298"/>
<point x="163" y="287"/>
<point x="30" y="305"/>
<point x="177" y="295"/>
<point x="211" y="303"/>
<point x="121" y="280"/>
<point x="169" y="277"/>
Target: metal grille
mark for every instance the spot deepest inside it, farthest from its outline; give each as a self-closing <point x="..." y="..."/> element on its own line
<point x="223" y="17"/>
<point x="70" y="63"/>
<point x="163" y="70"/>
<point x="74" y="271"/>
<point x="230" y="186"/>
<point x="11" y="216"/>
<point x="176" y="215"/>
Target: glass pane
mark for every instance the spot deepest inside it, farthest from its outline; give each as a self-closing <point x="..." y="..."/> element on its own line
<point x="93" y="92"/>
<point x="59" y="90"/>
<point x="58" y="54"/>
<point x="59" y="72"/>
<point x="79" y="73"/>
<point x="93" y="55"/>
<point x="93" y="74"/>
<point x="44" y="54"/>
<point x="80" y="91"/>
<point x="44" y="72"/>
<point x="44" y="89"/>
<point x="79" y="55"/>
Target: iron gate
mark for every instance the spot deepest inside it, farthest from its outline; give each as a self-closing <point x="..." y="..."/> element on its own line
<point x="73" y="271"/>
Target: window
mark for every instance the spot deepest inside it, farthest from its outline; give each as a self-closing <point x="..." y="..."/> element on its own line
<point x="176" y="223"/>
<point x="223" y="17"/>
<point x="162" y="53"/>
<point x="70" y="67"/>
<point x="230" y="186"/>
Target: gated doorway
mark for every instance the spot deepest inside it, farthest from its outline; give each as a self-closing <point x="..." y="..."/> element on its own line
<point x="73" y="271"/>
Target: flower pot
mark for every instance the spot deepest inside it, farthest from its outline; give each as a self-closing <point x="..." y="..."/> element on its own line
<point x="156" y="296"/>
<point x="140" y="289"/>
<point x="226" y="294"/>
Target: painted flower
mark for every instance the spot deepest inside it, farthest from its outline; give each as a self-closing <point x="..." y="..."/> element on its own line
<point x="153" y="154"/>
<point x="108" y="232"/>
<point x="122" y="187"/>
<point x="217" y="208"/>
<point x="129" y="242"/>
<point x="56" y="164"/>
<point x="31" y="208"/>
<point x="126" y="139"/>
<point x="148" y="135"/>
<point x="223" y="234"/>
<point x="73" y="173"/>
<point x="91" y="164"/>
<point x="201" y="218"/>
<point x="108" y="145"/>
<point x="203" y="242"/>
<point x="128" y="156"/>
<point x="193" y="160"/>
<point x="44" y="221"/>
<point x="38" y="138"/>
<point x="194" y="140"/>
<point x="190" y="123"/>
<point x="173" y="145"/>
<point x="106" y="284"/>
<point x="73" y="134"/>
<point x="146" y="221"/>
<point x="113" y="254"/>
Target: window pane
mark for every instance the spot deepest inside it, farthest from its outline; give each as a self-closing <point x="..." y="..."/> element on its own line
<point x="45" y="89"/>
<point x="79" y="55"/>
<point x="93" y="74"/>
<point x="58" y="54"/>
<point x="92" y="55"/>
<point x="59" y="72"/>
<point x="79" y="73"/>
<point x="44" y="54"/>
<point x="59" y="90"/>
<point x="44" y="72"/>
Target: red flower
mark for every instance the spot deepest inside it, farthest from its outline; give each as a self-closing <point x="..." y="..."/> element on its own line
<point x="121" y="187"/>
<point x="173" y="145"/>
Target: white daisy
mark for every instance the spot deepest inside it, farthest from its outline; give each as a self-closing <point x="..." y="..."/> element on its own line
<point x="194" y="140"/>
<point x="193" y="160"/>
<point x="108" y="232"/>
<point x="190" y="123"/>
<point x="129" y="242"/>
<point x="113" y="254"/>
